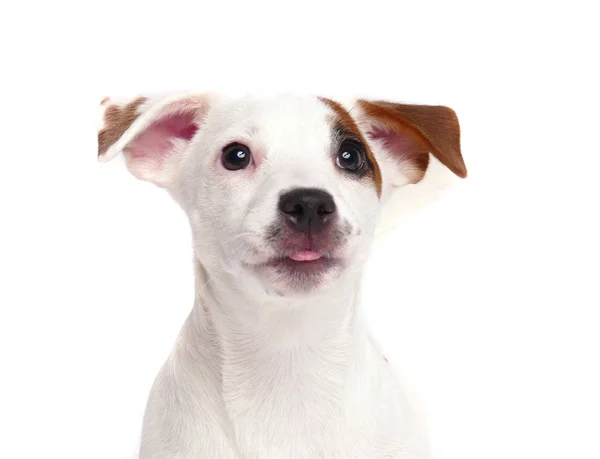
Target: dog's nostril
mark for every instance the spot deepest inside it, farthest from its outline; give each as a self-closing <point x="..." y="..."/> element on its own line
<point x="324" y="210"/>
<point x="307" y="208"/>
<point x="291" y="208"/>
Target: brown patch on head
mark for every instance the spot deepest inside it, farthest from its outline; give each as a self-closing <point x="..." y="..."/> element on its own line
<point x="430" y="129"/>
<point x="116" y="121"/>
<point x="345" y="123"/>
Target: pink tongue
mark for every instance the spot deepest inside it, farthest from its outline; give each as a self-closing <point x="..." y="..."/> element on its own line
<point x="306" y="255"/>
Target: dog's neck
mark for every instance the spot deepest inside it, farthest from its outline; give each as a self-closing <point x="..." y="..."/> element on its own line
<point x="263" y="338"/>
<point x="281" y="368"/>
<point x="278" y="322"/>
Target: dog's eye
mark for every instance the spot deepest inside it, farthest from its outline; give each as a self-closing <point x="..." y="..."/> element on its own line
<point x="236" y="156"/>
<point x="350" y="157"/>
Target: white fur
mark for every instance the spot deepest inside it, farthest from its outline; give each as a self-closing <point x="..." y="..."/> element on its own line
<point x="259" y="371"/>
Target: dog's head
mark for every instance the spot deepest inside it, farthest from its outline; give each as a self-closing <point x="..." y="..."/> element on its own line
<point x="283" y="191"/>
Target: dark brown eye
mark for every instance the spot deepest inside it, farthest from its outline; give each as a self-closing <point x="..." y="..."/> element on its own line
<point x="236" y="156"/>
<point x="350" y="157"/>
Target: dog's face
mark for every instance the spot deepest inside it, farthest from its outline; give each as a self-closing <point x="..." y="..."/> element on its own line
<point x="283" y="192"/>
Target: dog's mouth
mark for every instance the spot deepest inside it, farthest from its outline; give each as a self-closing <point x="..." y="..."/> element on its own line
<point x="305" y="255"/>
<point x="301" y="262"/>
<point x="304" y="261"/>
<point x="299" y="271"/>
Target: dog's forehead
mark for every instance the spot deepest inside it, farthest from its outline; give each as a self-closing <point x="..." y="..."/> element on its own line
<point x="286" y="106"/>
<point x="292" y="122"/>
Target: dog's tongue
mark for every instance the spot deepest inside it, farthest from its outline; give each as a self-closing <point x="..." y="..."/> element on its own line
<point x="305" y="255"/>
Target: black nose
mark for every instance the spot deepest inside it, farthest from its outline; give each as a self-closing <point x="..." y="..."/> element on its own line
<point x="307" y="208"/>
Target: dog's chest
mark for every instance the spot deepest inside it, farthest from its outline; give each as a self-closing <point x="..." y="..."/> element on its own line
<point x="289" y="406"/>
<point x="293" y="427"/>
<point x="301" y="407"/>
<point x="312" y="428"/>
<point x="289" y="434"/>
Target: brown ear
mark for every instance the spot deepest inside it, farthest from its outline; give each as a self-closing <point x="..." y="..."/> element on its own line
<point x="410" y="132"/>
<point x="152" y="132"/>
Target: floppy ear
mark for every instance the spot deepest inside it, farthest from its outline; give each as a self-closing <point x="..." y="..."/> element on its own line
<point x="406" y="134"/>
<point x="153" y="133"/>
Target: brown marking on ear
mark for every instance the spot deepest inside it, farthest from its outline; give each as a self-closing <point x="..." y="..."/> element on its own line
<point x="116" y="121"/>
<point x="103" y="101"/>
<point x="345" y="122"/>
<point x="434" y="128"/>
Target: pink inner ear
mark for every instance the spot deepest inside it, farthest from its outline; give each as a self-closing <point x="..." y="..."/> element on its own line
<point x="156" y="141"/>
<point x="401" y="146"/>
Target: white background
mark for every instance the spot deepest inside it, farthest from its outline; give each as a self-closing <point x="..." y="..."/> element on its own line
<point x="488" y="296"/>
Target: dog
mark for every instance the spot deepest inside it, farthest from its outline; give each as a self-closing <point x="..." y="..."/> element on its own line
<point x="283" y="194"/>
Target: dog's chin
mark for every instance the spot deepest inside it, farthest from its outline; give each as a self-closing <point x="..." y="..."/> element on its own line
<point x="289" y="277"/>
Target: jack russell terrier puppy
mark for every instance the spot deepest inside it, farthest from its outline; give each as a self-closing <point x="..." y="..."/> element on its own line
<point x="283" y="194"/>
